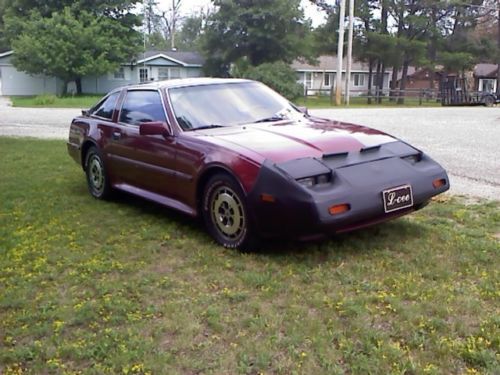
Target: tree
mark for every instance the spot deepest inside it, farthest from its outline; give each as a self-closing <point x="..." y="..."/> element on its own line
<point x="4" y="44"/>
<point x="192" y="28"/>
<point x="71" y="44"/>
<point x="279" y="76"/>
<point x="152" y="20"/>
<point x="257" y="30"/>
<point x="171" y="19"/>
<point x="325" y="36"/>
<point x="69" y="39"/>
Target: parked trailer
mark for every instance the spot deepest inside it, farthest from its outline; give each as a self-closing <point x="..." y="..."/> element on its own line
<point x="454" y="92"/>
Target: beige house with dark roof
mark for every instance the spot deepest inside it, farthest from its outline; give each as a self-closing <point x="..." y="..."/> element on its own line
<point x="320" y="78"/>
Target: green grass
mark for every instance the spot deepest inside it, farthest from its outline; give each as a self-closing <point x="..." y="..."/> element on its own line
<point x="129" y="287"/>
<point x="360" y="102"/>
<point x="52" y="101"/>
<point x="87" y="101"/>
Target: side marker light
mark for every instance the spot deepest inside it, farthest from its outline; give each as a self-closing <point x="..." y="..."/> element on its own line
<point x="267" y="198"/>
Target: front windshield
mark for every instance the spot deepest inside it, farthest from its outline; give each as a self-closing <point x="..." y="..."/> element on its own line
<point x="228" y="104"/>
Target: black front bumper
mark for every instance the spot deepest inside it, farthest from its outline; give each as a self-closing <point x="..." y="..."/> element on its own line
<point x="303" y="213"/>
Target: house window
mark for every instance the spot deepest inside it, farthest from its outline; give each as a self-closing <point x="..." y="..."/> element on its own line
<point x="120" y="73"/>
<point x="487" y="85"/>
<point x="162" y="74"/>
<point x="175" y="73"/>
<point x="168" y="73"/>
<point x="358" y="79"/>
<point x="327" y="79"/>
<point x="143" y="75"/>
<point x="308" y="80"/>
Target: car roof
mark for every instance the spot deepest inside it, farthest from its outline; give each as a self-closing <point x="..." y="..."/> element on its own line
<point x="183" y="82"/>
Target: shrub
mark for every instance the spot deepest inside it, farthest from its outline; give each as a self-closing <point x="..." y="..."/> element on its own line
<point x="277" y="75"/>
<point x="45" y="99"/>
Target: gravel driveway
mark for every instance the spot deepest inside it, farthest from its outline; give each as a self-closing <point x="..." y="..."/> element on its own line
<point x="464" y="140"/>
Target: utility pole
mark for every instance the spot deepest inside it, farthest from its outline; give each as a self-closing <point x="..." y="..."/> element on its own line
<point x="174" y="15"/>
<point x="340" y="52"/>
<point x="349" y="53"/>
<point x="498" y="56"/>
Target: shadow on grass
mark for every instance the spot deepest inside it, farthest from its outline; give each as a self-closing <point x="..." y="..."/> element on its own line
<point x="388" y="236"/>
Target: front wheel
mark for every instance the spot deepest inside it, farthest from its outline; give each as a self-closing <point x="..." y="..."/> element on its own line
<point x="97" y="178"/>
<point x="225" y="213"/>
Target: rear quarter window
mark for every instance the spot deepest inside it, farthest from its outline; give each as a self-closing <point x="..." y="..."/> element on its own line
<point x="106" y="107"/>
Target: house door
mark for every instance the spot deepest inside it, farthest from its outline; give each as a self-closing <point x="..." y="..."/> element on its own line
<point x="143" y="75"/>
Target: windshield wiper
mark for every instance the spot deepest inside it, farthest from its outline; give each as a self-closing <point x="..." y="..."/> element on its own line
<point x="211" y="126"/>
<point x="270" y="119"/>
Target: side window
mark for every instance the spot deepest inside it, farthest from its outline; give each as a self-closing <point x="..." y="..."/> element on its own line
<point x="105" y="108"/>
<point x="142" y="106"/>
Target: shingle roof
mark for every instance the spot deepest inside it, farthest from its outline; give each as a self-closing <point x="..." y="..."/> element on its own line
<point x="328" y="63"/>
<point x="189" y="58"/>
<point x="485" y="70"/>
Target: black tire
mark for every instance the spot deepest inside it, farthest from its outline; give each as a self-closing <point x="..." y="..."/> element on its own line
<point x="225" y="213"/>
<point x="489" y="101"/>
<point x="97" y="177"/>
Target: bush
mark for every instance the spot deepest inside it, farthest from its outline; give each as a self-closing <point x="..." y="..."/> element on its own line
<point x="45" y="99"/>
<point x="277" y="75"/>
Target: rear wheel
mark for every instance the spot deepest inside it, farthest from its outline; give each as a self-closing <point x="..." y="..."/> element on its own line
<point x="225" y="213"/>
<point x="97" y="178"/>
<point x="489" y="101"/>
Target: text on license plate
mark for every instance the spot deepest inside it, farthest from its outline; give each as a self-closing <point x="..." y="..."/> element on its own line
<point x="397" y="198"/>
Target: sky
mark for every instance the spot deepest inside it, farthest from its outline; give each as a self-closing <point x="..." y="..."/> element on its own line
<point x="192" y="6"/>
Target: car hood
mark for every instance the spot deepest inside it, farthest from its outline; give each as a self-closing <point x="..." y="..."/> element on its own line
<point x="285" y="140"/>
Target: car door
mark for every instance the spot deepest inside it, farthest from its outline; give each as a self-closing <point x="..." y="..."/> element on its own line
<point x="104" y="116"/>
<point x="147" y="161"/>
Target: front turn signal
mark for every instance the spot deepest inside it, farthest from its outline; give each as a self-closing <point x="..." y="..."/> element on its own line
<point x="437" y="183"/>
<point x="339" y="209"/>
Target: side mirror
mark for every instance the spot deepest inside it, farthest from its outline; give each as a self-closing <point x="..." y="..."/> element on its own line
<point x="154" y="128"/>
<point x="85" y="112"/>
<point x="304" y="110"/>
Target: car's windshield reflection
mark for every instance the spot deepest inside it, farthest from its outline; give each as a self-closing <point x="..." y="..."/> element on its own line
<point x="229" y="104"/>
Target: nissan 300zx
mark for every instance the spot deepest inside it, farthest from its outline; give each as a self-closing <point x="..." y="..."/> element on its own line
<point x="247" y="161"/>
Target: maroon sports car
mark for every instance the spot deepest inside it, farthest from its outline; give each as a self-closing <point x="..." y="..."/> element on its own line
<point x="248" y="161"/>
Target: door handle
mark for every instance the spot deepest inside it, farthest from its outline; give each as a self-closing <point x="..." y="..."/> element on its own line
<point x="116" y="135"/>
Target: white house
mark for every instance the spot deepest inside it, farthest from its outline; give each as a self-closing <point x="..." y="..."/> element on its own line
<point x="320" y="78"/>
<point x="152" y="65"/>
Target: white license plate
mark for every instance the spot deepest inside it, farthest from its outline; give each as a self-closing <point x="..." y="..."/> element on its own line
<point x="397" y="198"/>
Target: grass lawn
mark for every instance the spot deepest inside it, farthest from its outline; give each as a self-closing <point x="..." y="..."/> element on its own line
<point x="360" y="102"/>
<point x="52" y="101"/>
<point x="129" y="287"/>
<point x="87" y="101"/>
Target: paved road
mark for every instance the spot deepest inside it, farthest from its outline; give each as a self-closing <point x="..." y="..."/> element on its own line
<point x="466" y="141"/>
